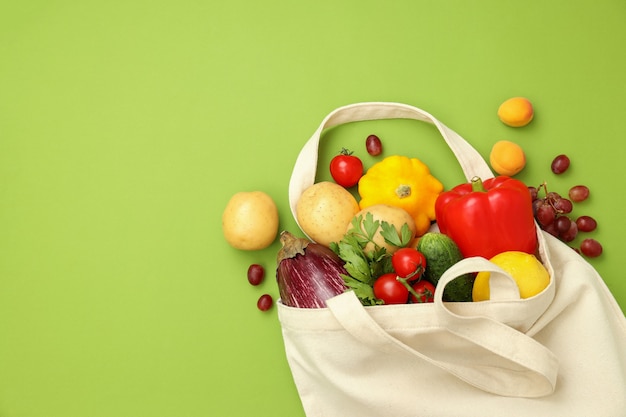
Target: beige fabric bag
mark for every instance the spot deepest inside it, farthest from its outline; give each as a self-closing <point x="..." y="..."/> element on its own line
<point x="560" y="353"/>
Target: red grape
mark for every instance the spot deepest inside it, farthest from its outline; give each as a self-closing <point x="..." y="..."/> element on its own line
<point x="551" y="228"/>
<point x="265" y="302"/>
<point x="569" y="234"/>
<point x="563" y="205"/>
<point x="560" y="164"/>
<point x="536" y="204"/>
<point x="373" y="145"/>
<point x="591" y="248"/>
<point x="552" y="212"/>
<point x="256" y="273"/>
<point x="562" y="224"/>
<point x="545" y="214"/>
<point x="553" y="196"/>
<point x="586" y="223"/>
<point x="578" y="193"/>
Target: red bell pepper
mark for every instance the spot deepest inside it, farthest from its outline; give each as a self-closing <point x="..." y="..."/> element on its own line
<point x="487" y="218"/>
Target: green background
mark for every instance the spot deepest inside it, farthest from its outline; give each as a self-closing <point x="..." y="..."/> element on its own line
<point x="125" y="127"/>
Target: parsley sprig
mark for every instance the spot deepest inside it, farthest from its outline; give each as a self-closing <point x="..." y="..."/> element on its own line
<point x="364" y="266"/>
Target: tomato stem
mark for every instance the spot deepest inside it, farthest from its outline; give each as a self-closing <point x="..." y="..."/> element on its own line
<point x="415" y="274"/>
<point x="405" y="282"/>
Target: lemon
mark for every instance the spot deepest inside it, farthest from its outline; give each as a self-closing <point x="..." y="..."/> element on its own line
<point x="527" y="271"/>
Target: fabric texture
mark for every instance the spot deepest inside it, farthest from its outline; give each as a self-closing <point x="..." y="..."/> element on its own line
<point x="559" y="353"/>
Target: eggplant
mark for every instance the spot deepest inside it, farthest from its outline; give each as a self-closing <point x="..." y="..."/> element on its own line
<point x="308" y="273"/>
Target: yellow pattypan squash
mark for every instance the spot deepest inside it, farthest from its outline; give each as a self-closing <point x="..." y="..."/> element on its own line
<point x="402" y="182"/>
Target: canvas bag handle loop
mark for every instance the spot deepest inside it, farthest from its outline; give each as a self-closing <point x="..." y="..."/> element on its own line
<point x="533" y="368"/>
<point x="511" y="363"/>
<point x="303" y="174"/>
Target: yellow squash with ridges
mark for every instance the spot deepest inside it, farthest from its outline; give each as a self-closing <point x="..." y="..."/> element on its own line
<point x="402" y="182"/>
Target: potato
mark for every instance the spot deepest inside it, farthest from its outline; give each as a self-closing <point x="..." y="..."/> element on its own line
<point x="395" y="216"/>
<point x="250" y="220"/>
<point x="324" y="210"/>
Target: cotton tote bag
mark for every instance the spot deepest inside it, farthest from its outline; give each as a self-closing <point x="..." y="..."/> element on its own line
<point x="560" y="353"/>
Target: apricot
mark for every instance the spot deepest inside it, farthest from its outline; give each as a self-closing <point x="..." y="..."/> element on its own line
<point x="516" y="112"/>
<point x="507" y="158"/>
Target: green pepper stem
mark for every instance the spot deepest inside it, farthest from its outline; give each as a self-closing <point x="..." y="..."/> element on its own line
<point x="477" y="185"/>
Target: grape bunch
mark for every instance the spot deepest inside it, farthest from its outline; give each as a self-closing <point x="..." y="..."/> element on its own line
<point x="553" y="212"/>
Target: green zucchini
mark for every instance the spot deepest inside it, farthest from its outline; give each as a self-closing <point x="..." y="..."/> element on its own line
<point x="441" y="252"/>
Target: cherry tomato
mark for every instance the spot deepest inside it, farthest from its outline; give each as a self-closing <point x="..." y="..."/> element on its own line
<point x="408" y="263"/>
<point x="346" y="169"/>
<point x="390" y="290"/>
<point x="425" y="290"/>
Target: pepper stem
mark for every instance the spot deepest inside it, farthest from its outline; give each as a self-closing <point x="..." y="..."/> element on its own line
<point x="477" y="185"/>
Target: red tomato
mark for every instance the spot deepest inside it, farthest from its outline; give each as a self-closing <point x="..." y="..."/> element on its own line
<point x="390" y="290"/>
<point x="408" y="263"/>
<point x="425" y="290"/>
<point x="346" y="169"/>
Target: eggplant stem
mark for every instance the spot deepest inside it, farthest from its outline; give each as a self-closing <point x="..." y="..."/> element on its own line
<point x="292" y="246"/>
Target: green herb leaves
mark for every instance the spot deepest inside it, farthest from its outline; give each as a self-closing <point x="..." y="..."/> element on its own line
<point x="391" y="235"/>
<point x="364" y="266"/>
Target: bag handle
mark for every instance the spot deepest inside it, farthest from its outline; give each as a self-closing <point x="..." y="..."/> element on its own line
<point x="303" y="174"/>
<point x="510" y="364"/>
